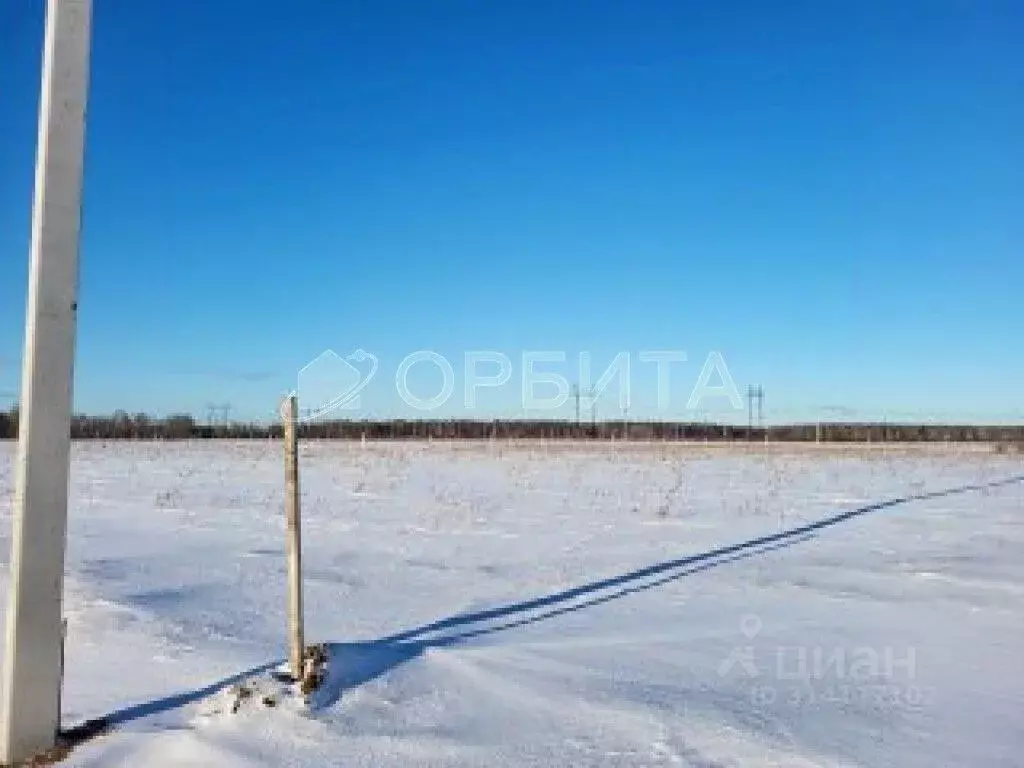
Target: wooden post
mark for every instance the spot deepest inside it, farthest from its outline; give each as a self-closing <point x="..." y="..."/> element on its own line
<point x="34" y="639"/>
<point x="293" y="543"/>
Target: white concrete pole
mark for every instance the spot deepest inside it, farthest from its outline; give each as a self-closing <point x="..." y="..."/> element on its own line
<point x="33" y="650"/>
<point x="293" y="536"/>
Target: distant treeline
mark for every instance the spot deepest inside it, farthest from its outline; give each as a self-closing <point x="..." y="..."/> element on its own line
<point x="140" y="426"/>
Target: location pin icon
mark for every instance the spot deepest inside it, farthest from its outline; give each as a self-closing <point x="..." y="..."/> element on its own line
<point x="750" y="625"/>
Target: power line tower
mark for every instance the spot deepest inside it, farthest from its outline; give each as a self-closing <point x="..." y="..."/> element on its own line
<point x="754" y="393"/>
<point x="218" y="413"/>
<point x="592" y="396"/>
<point x="760" y="406"/>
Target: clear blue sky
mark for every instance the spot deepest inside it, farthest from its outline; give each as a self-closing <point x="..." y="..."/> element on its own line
<point x="831" y="194"/>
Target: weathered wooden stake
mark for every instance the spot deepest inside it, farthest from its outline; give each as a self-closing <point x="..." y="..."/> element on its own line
<point x="293" y="535"/>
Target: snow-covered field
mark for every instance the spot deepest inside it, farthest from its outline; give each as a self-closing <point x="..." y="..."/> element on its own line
<point x="556" y="604"/>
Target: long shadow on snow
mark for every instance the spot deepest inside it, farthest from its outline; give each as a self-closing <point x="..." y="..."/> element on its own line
<point x="357" y="663"/>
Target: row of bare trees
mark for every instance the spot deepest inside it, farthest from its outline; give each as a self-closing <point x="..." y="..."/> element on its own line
<point x="141" y="426"/>
<point x="120" y="425"/>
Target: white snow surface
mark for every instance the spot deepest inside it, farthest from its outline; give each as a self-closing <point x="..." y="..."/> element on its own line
<point x="490" y="604"/>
